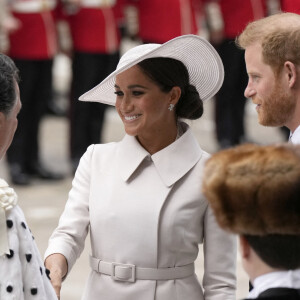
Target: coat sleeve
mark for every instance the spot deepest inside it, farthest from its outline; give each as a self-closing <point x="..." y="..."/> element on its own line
<point x="69" y="237"/>
<point x="220" y="253"/>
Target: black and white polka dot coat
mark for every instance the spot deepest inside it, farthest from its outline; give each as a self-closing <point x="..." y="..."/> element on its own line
<point x="22" y="272"/>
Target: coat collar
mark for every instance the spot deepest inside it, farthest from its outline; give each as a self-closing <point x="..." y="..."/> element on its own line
<point x="172" y="162"/>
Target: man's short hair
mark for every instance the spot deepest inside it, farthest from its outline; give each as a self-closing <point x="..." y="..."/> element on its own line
<point x="8" y="79"/>
<point x="279" y="36"/>
<point x="254" y="191"/>
<point x="277" y="250"/>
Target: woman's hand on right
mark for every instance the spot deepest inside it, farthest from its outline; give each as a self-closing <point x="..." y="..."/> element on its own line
<point x="57" y="265"/>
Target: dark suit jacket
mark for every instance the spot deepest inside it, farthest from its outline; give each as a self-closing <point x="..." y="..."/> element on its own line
<point x="280" y="294"/>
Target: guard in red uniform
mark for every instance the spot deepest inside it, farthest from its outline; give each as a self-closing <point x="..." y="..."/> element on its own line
<point x="226" y="19"/>
<point x="96" y="43"/>
<point x="290" y="6"/>
<point x="160" y="21"/>
<point x="32" y="47"/>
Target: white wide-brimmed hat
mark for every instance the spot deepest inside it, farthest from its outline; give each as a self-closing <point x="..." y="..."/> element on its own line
<point x="197" y="54"/>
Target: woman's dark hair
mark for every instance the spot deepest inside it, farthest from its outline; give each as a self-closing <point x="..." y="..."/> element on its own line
<point x="8" y="79"/>
<point x="277" y="250"/>
<point x="169" y="72"/>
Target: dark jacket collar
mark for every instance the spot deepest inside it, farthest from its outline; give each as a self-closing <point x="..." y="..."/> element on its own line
<point x="280" y="294"/>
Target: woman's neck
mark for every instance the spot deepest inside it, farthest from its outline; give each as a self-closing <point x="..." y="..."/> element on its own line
<point x="159" y="140"/>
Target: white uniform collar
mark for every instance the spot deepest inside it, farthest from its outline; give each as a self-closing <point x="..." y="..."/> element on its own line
<point x="172" y="162"/>
<point x="285" y="279"/>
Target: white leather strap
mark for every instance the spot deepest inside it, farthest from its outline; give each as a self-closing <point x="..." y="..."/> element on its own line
<point x="97" y="3"/>
<point x="33" y="6"/>
<point x="128" y="272"/>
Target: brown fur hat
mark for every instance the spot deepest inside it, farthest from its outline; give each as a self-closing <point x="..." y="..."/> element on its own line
<point x="255" y="189"/>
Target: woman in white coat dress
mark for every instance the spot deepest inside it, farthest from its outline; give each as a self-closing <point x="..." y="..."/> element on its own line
<point x="141" y="198"/>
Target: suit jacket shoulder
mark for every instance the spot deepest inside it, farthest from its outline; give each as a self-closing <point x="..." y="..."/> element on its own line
<point x="280" y="294"/>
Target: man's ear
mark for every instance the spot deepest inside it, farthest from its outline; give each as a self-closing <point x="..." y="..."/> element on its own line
<point x="175" y="94"/>
<point x="290" y="72"/>
<point x="244" y="247"/>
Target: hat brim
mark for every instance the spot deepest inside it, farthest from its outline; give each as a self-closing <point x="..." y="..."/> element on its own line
<point x="197" y="54"/>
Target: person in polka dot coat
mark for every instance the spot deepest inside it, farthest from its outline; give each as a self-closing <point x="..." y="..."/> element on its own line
<point x="22" y="272"/>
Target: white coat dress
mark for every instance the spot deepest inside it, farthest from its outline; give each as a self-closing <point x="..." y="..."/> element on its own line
<point x="146" y="210"/>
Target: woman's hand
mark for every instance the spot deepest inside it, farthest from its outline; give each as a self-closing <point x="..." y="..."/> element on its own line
<point x="58" y="267"/>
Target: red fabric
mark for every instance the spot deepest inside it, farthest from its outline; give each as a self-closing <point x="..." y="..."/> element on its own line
<point x="36" y="38"/>
<point x="161" y="21"/>
<point x="291" y="6"/>
<point x="89" y="30"/>
<point x="60" y="12"/>
<point x="119" y="10"/>
<point x="237" y="14"/>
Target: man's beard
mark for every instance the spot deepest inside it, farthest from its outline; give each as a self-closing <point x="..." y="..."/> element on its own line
<point x="277" y="109"/>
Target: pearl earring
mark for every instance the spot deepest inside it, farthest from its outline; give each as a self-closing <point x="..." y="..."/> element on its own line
<point x="171" y="106"/>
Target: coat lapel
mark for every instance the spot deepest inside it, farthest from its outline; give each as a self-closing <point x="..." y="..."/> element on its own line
<point x="130" y="155"/>
<point x="174" y="161"/>
<point x="171" y="163"/>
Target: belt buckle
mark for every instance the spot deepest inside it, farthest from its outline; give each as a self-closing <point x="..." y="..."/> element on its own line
<point x="130" y="278"/>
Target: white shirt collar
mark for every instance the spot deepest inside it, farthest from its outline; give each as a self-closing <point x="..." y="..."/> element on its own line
<point x="286" y="279"/>
<point x="295" y="136"/>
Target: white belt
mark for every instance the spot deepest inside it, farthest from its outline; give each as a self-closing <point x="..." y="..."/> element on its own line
<point x="98" y="3"/>
<point x="128" y="272"/>
<point x="32" y="6"/>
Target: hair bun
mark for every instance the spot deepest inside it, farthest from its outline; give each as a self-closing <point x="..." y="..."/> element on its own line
<point x="190" y="89"/>
<point x="190" y="106"/>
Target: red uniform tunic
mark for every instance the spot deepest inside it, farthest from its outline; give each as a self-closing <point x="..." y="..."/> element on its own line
<point x="237" y="14"/>
<point x="36" y="37"/>
<point x="119" y="10"/>
<point x="291" y="6"/>
<point x="94" y="28"/>
<point x="160" y="21"/>
<point x="230" y="101"/>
